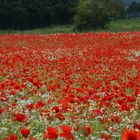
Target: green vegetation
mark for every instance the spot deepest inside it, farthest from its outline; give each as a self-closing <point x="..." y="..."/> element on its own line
<point x="48" y="30"/>
<point x="114" y="26"/>
<point x="97" y="13"/>
<point x="125" y="25"/>
<point x="25" y="14"/>
<point x="66" y="16"/>
<point x="87" y="18"/>
<point x="83" y="14"/>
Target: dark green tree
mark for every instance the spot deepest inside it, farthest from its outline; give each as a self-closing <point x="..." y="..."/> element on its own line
<point x="91" y="14"/>
<point x="97" y="13"/>
<point x="118" y="9"/>
<point x="11" y="12"/>
<point x="62" y="11"/>
<point x="35" y="13"/>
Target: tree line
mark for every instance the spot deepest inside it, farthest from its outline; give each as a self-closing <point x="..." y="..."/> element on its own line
<point x="34" y="13"/>
<point x="23" y="14"/>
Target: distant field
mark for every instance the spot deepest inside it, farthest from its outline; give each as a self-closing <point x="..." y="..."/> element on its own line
<point x="114" y="26"/>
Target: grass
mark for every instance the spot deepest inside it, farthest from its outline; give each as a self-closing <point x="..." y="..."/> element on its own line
<point x="125" y="25"/>
<point x="48" y="30"/>
<point x="114" y="26"/>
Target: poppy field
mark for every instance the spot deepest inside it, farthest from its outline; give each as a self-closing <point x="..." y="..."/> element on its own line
<point x="70" y="86"/>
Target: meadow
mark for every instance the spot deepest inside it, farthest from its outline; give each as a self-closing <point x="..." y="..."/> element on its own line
<point x="70" y="86"/>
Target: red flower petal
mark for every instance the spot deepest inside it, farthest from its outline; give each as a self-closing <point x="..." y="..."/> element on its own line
<point x="19" y="117"/>
<point x="66" y="132"/>
<point x="52" y="133"/>
<point x="129" y="134"/>
<point x="25" y="132"/>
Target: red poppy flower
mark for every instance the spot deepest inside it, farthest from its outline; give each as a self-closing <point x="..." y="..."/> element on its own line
<point x="25" y="132"/>
<point x="125" y="107"/>
<point x="1" y="110"/>
<point x="88" y="130"/>
<point x="13" y="92"/>
<point x="19" y="117"/>
<point x="131" y="99"/>
<point x="129" y="134"/>
<point x="138" y="135"/>
<point x="39" y="104"/>
<point x="137" y="125"/>
<point x="30" y="107"/>
<point x="32" y="139"/>
<point x="60" y="116"/>
<point x="56" y="109"/>
<point x="106" y="137"/>
<point x="11" y="137"/>
<point x="115" y="119"/>
<point x="66" y="132"/>
<point x="52" y="133"/>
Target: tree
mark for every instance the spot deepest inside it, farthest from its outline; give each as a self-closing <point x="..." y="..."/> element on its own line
<point x="62" y="11"/>
<point x="91" y="14"/>
<point x="97" y="13"/>
<point x="11" y="12"/>
<point x="35" y="13"/>
<point x="118" y="9"/>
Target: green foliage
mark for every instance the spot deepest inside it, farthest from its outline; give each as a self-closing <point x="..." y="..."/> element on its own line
<point x="62" y="11"/>
<point x="34" y="13"/>
<point x="97" y="13"/>
<point x="118" y="9"/>
<point x="45" y="30"/>
<point x="22" y="13"/>
<point x="113" y="26"/>
<point x="124" y="25"/>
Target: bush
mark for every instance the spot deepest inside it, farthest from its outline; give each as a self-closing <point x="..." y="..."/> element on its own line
<point x="95" y="13"/>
